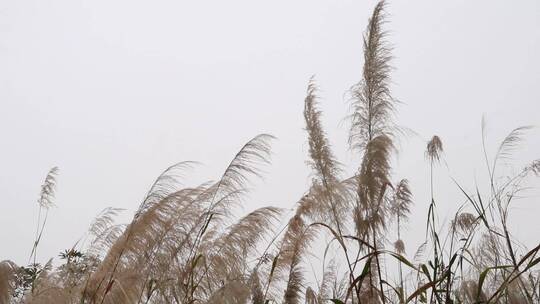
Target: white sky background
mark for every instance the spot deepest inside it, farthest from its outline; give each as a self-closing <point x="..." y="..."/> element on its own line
<point x="113" y="92"/>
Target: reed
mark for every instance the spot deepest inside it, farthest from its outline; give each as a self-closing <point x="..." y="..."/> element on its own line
<point x="191" y="244"/>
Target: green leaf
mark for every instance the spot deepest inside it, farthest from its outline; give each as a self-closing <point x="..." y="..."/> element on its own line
<point x="426" y="271"/>
<point x="274" y="264"/>
<point x="423" y="288"/>
<point x="360" y="278"/>
<point x="403" y="260"/>
<point x="483" y="275"/>
<point x="207" y="223"/>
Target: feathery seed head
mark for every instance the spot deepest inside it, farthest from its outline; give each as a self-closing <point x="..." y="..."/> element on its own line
<point x="434" y="149"/>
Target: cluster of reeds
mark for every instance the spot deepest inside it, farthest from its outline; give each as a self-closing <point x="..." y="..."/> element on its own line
<point x="186" y="245"/>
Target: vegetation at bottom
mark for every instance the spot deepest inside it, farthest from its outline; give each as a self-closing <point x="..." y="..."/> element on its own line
<point x="188" y="244"/>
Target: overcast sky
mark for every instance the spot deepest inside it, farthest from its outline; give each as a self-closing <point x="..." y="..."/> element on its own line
<point x="114" y="91"/>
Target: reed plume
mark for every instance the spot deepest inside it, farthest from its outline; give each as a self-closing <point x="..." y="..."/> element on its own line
<point x="434" y="150"/>
<point x="372" y="102"/>
<point x="400" y="208"/>
<point x="295" y="245"/>
<point x="45" y="202"/>
<point x="7" y="273"/>
<point x="371" y="133"/>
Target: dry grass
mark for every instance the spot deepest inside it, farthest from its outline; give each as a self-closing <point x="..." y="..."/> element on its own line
<point x="185" y="244"/>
